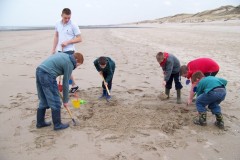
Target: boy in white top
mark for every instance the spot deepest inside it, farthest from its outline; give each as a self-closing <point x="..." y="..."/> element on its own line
<point x="66" y="34"/>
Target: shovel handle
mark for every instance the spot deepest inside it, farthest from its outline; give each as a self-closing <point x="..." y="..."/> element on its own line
<point x="105" y="85"/>
<point x="68" y="110"/>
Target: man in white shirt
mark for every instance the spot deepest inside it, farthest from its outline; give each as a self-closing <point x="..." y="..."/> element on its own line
<point x="66" y="35"/>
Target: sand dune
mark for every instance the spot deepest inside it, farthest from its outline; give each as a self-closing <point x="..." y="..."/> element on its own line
<point x="223" y="13"/>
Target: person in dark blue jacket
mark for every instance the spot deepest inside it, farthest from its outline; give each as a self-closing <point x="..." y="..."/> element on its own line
<point x="106" y="67"/>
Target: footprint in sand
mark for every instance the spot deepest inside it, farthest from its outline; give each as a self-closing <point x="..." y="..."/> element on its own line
<point x="133" y="91"/>
<point x="59" y="158"/>
<point x="17" y="131"/>
<point x="44" y="141"/>
<point x="119" y="156"/>
<point x="73" y="146"/>
<point x="148" y="147"/>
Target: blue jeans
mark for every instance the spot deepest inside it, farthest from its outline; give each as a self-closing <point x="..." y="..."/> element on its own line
<point x="212" y="99"/>
<point x="47" y="89"/>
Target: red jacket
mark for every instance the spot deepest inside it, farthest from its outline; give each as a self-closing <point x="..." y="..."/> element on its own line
<point x="206" y="65"/>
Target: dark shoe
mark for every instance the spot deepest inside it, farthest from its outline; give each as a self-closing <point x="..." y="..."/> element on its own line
<point x="179" y="101"/>
<point x="108" y="97"/>
<point x="219" y="121"/>
<point x="41" y="119"/>
<point x="73" y="89"/>
<point x="201" y="120"/>
<point x="167" y="92"/>
<point x="56" y="116"/>
<point x="103" y="94"/>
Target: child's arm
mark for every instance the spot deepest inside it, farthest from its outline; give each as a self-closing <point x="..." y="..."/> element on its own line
<point x="168" y="70"/>
<point x="191" y="94"/>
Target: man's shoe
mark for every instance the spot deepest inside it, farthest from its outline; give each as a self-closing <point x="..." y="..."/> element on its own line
<point x="73" y="89"/>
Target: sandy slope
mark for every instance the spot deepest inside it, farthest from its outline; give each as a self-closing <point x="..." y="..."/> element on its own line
<point x="136" y="124"/>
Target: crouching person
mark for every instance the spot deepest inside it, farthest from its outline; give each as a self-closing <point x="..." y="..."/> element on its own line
<point x="47" y="88"/>
<point x="210" y="92"/>
<point x="106" y="68"/>
<point x="171" y="67"/>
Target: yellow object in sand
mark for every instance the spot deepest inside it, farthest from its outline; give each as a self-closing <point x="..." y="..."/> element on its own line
<point x="76" y="103"/>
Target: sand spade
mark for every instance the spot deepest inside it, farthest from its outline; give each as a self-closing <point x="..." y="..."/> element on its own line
<point x="60" y="88"/>
<point x="69" y="111"/>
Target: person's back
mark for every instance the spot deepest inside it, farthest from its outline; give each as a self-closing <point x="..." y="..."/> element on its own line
<point x="56" y="64"/>
<point x="206" y="84"/>
<point x="205" y="65"/>
<point x="172" y="62"/>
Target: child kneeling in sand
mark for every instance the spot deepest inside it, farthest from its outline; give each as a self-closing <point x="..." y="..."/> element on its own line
<point x="171" y="67"/>
<point x="210" y="92"/>
<point x="47" y="88"/>
<point x="106" y="67"/>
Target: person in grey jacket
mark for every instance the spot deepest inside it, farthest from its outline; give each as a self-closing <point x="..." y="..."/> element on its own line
<point x="47" y="87"/>
<point x="171" y="68"/>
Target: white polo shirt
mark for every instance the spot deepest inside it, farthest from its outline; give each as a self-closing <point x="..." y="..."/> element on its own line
<point x="66" y="32"/>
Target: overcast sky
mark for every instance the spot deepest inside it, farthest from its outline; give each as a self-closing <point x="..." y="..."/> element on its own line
<point x="98" y="12"/>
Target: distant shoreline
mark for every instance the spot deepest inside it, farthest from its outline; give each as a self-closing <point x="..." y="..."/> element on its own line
<point x="20" y="28"/>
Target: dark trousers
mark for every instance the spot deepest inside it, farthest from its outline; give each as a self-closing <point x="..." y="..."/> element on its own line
<point x="176" y="78"/>
<point x="68" y="52"/>
<point x="109" y="83"/>
<point x="210" y="74"/>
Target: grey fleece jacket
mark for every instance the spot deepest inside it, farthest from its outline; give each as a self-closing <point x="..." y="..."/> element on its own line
<point x="172" y="66"/>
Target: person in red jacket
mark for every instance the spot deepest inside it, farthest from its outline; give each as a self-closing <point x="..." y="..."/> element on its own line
<point x="206" y="65"/>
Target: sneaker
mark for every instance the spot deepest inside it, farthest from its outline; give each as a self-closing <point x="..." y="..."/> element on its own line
<point x="73" y="89"/>
<point x="101" y="97"/>
<point x="103" y="94"/>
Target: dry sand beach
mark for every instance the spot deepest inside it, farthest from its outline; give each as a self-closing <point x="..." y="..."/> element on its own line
<point x="135" y="124"/>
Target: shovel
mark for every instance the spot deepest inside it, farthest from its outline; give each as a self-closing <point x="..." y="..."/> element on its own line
<point x="69" y="111"/>
<point x="105" y="85"/>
